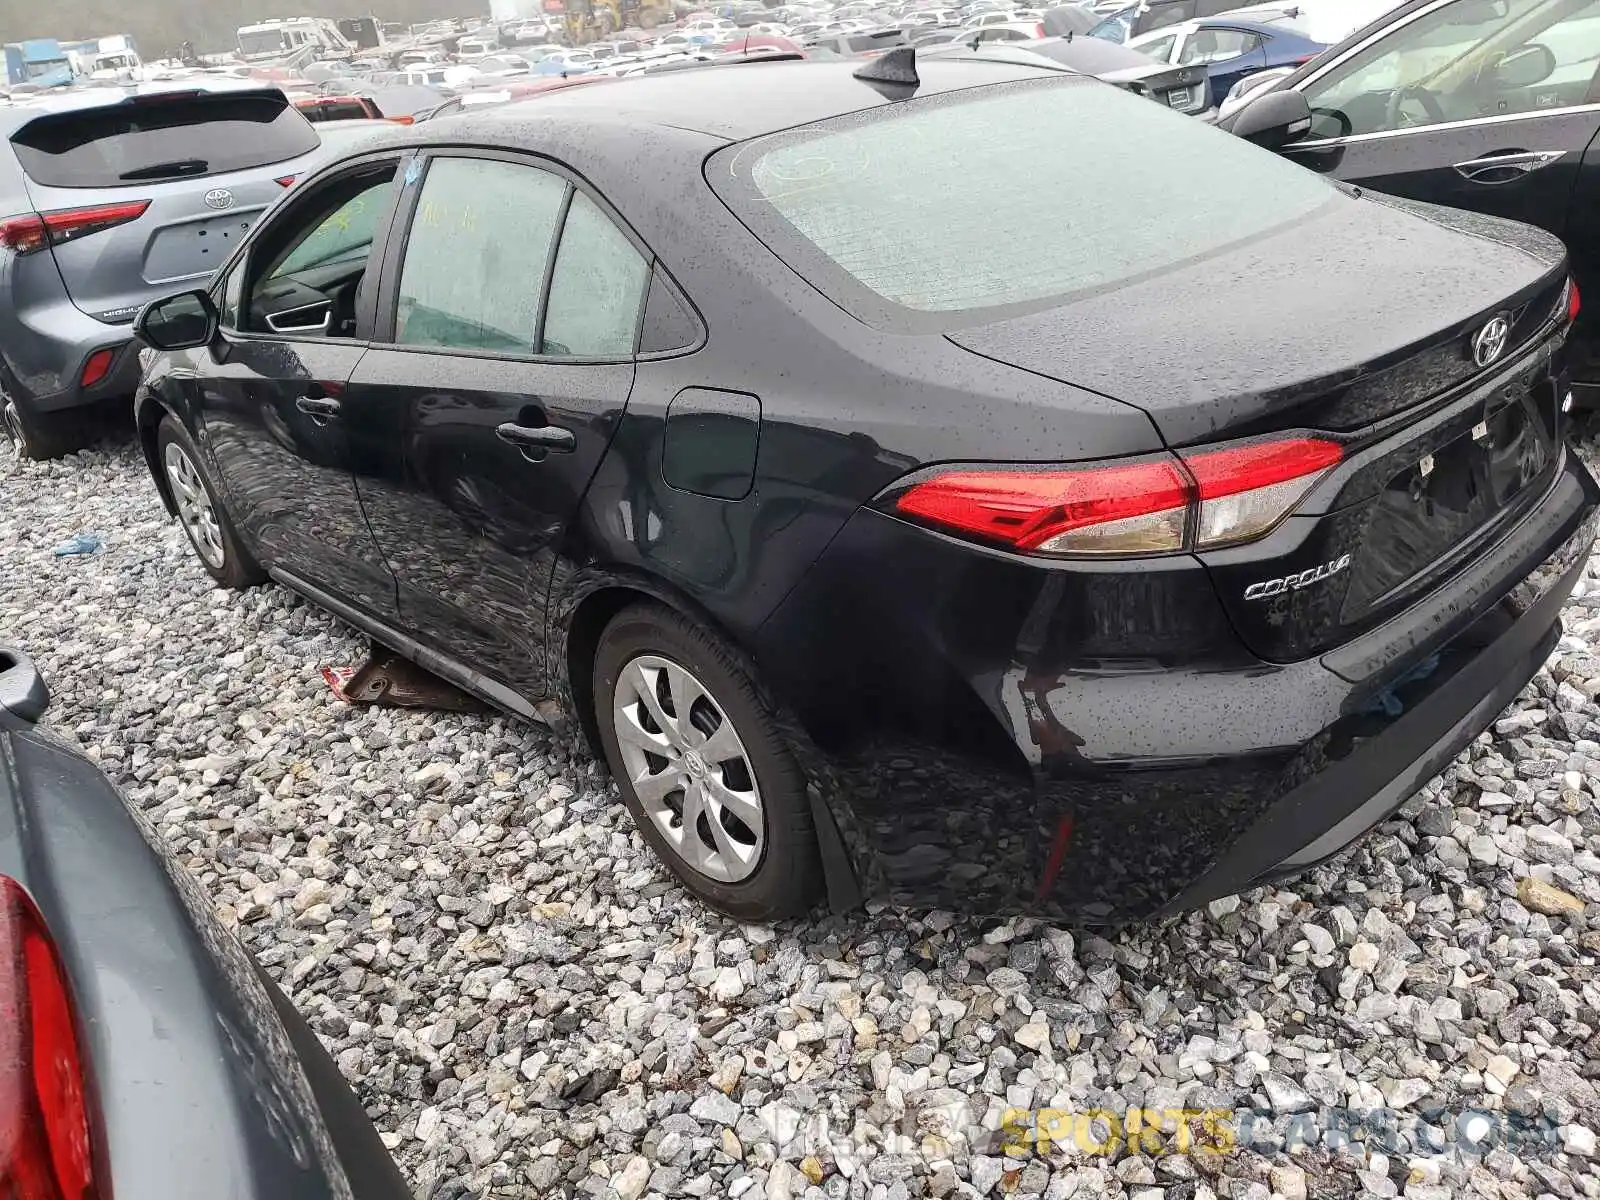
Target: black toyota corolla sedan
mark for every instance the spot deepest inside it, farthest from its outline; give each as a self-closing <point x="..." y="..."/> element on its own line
<point x="143" y="1053"/>
<point x="878" y="551"/>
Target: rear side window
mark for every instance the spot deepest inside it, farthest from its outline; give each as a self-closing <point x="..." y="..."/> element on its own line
<point x="161" y="139"/>
<point x="476" y="255"/>
<point x="597" y="289"/>
<point x="892" y="212"/>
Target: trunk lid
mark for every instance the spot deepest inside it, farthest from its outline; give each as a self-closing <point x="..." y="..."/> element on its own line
<point x="1298" y="331"/>
<point x="1356" y="314"/>
<point x="181" y="176"/>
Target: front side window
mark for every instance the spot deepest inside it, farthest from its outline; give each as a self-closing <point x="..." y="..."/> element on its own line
<point x="475" y="260"/>
<point x="597" y="290"/>
<point x="313" y="261"/>
<point x="1468" y="59"/>
<point x="343" y="236"/>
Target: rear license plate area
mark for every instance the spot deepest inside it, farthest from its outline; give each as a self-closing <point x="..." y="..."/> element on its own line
<point x="195" y="247"/>
<point x="1180" y="98"/>
<point x="1429" y="508"/>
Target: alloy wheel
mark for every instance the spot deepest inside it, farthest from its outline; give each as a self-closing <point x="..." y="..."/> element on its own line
<point x="195" y="511"/>
<point x="689" y="768"/>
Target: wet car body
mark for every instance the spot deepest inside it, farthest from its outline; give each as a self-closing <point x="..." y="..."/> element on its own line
<point x="200" y="1079"/>
<point x="1528" y="151"/>
<point x="1100" y="738"/>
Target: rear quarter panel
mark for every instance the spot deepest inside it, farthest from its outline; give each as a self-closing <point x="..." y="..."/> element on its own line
<point x="844" y="409"/>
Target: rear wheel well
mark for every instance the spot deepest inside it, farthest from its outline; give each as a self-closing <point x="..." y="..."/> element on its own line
<point x="583" y="638"/>
<point x="148" y="419"/>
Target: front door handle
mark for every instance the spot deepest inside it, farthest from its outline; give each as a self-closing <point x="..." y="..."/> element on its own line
<point x="319" y="408"/>
<point x="537" y="437"/>
<point x="1507" y="166"/>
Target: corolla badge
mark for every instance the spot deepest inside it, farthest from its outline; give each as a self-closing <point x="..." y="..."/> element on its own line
<point x="1489" y="343"/>
<point x="1268" y="588"/>
<point x="219" y="199"/>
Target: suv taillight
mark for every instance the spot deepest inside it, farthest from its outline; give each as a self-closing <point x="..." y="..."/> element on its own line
<point x="32" y="232"/>
<point x="44" y="1127"/>
<point x="1161" y="504"/>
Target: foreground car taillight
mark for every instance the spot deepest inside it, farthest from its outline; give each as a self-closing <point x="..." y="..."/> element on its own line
<point x="1574" y="301"/>
<point x="32" y="232"/>
<point x="1194" y="500"/>
<point x="44" y="1128"/>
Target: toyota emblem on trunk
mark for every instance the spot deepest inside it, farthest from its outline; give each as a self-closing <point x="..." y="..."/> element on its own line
<point x="1489" y="343"/>
<point x="220" y="198"/>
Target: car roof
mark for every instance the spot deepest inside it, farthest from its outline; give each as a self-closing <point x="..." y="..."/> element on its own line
<point x="1256" y="24"/>
<point x="746" y="100"/>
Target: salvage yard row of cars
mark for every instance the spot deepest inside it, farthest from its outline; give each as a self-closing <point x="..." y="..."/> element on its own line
<point x="1155" y="551"/>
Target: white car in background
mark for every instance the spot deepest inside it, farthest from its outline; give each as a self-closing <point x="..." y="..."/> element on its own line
<point x="1003" y="31"/>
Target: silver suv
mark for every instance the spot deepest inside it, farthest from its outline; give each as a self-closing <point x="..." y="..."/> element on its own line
<point x="109" y="198"/>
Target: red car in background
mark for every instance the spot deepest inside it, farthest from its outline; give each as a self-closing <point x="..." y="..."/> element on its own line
<point x="343" y="108"/>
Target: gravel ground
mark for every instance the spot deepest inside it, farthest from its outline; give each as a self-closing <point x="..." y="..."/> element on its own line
<point x="529" y="1006"/>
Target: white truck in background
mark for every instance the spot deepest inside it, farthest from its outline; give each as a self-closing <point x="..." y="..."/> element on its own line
<point x="292" y="37"/>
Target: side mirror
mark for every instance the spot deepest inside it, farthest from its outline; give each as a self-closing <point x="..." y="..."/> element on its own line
<point x="1273" y="121"/>
<point x="179" y="322"/>
<point x="1532" y="64"/>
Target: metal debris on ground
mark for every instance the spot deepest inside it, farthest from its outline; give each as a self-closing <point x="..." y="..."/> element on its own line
<point x="388" y="680"/>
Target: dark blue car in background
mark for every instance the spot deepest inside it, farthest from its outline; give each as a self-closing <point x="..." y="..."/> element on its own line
<point x="1232" y="47"/>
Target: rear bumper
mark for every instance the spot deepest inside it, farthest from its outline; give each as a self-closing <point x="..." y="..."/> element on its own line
<point x="978" y="764"/>
<point x="45" y="348"/>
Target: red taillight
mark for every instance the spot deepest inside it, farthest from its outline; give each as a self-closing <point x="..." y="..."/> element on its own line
<point x="32" y="232"/>
<point x="287" y="180"/>
<point x="1246" y="490"/>
<point x="96" y="367"/>
<point x="1129" y="508"/>
<point x="44" y="1127"/>
<point x="1574" y="302"/>
<point x="1195" y="500"/>
<point x="24" y="234"/>
<point x="1038" y="31"/>
<point x="69" y="223"/>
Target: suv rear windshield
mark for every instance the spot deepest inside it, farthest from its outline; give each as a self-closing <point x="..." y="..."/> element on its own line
<point x="161" y="138"/>
<point x="1004" y="198"/>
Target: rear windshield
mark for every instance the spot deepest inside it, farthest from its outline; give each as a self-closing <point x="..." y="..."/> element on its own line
<point x="1035" y="191"/>
<point x="164" y="139"/>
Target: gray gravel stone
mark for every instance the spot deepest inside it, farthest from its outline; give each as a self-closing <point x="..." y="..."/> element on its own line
<point x="528" y="1005"/>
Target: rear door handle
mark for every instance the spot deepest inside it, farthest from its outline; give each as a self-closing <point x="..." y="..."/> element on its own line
<point x="1507" y="166"/>
<point x="537" y="437"/>
<point x="319" y="408"/>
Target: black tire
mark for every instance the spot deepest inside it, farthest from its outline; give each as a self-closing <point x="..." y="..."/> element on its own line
<point x="238" y="568"/>
<point x="787" y="881"/>
<point x="39" y="436"/>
